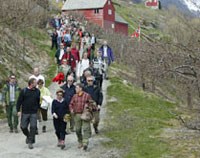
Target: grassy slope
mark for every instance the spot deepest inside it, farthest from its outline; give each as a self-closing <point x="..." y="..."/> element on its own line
<point x="136" y="120"/>
<point x="41" y="40"/>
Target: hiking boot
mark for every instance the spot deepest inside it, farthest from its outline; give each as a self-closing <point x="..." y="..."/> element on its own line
<point x="85" y="147"/>
<point x="30" y="146"/>
<point x="62" y="144"/>
<point x="44" y="129"/>
<point x="59" y="143"/>
<point x="11" y="130"/>
<point x="80" y="145"/>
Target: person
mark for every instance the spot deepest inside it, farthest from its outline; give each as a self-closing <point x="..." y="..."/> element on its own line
<point x="54" y="40"/>
<point x="97" y="96"/>
<point x="10" y="95"/>
<point x="64" y="68"/>
<point x="99" y="65"/>
<point x="67" y="38"/>
<point x="83" y="64"/>
<point x="43" y="111"/>
<point x="107" y="56"/>
<point x="83" y="78"/>
<point x="29" y="103"/>
<point x="77" y="105"/>
<point x="93" y="42"/>
<point x="59" y="54"/>
<point x="75" y="53"/>
<point x="59" y="109"/>
<point x="37" y="75"/>
<point x="69" y="90"/>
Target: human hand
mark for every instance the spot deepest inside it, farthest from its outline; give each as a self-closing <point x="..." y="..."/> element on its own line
<point x="19" y="114"/>
<point x="55" y="115"/>
<point x="98" y="107"/>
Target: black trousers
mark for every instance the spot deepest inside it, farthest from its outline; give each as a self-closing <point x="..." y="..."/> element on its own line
<point x="26" y="120"/>
<point x="54" y="43"/>
<point x="60" y="127"/>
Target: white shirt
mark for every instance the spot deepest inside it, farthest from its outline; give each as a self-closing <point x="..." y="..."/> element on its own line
<point x="105" y="48"/>
<point x="84" y="64"/>
<point x="61" y="54"/>
<point x="93" y="40"/>
<point x="12" y="93"/>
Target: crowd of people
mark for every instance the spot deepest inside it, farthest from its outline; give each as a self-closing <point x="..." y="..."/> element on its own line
<point x="81" y="69"/>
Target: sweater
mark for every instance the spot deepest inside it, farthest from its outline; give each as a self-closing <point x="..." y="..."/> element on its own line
<point x="29" y="100"/>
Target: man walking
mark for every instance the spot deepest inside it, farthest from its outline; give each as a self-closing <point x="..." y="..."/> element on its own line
<point x="97" y="96"/>
<point x="77" y="105"/>
<point x="10" y="95"/>
<point x="29" y="103"/>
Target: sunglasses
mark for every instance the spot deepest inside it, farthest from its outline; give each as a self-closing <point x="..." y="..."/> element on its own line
<point x="70" y="80"/>
<point x="59" y="94"/>
<point x="89" y="80"/>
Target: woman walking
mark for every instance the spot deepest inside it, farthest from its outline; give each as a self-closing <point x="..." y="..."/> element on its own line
<point x="59" y="109"/>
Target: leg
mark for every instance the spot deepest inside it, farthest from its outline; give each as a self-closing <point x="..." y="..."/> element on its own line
<point x="96" y="121"/>
<point x="16" y="122"/>
<point x="56" y="125"/>
<point x="72" y="123"/>
<point x="62" y="133"/>
<point x="9" y="116"/>
<point x="86" y="133"/>
<point x="33" y="126"/>
<point x="78" y="126"/>
<point x="25" y="119"/>
<point x="44" y="119"/>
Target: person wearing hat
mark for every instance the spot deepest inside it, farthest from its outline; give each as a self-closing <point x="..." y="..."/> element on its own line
<point x="59" y="109"/>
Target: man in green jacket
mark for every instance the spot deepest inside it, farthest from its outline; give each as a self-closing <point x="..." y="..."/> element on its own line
<point x="10" y="96"/>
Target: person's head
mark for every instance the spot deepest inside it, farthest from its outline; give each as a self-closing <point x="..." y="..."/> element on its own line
<point x="79" y="88"/>
<point x="40" y="83"/>
<point x="59" y="94"/>
<point x="87" y="73"/>
<point x="70" y="80"/>
<point x="32" y="83"/>
<point x="85" y="55"/>
<point x="90" y="80"/>
<point x="36" y="71"/>
<point x="74" y="45"/>
<point x="99" y="53"/>
<point x="86" y="34"/>
<point x="12" y="79"/>
<point x="68" y="49"/>
<point x="91" y="63"/>
<point x="64" y="62"/>
<point x="61" y="45"/>
<point x="105" y="43"/>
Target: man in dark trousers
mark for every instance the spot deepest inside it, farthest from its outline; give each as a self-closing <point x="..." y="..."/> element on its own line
<point x="96" y="94"/>
<point x="69" y="89"/>
<point x="28" y="104"/>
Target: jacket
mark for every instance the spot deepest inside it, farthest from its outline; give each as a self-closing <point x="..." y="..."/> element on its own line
<point x="109" y="53"/>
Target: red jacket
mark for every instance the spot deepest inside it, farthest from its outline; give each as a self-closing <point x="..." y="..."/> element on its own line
<point x="70" y="60"/>
<point x="75" y="53"/>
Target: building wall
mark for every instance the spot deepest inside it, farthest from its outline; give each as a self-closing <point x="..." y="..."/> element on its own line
<point x="121" y="28"/>
<point x="109" y="19"/>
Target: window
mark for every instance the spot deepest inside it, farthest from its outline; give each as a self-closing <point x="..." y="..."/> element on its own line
<point x="113" y="26"/>
<point x="109" y="12"/>
<point x="109" y="2"/>
<point x="96" y="11"/>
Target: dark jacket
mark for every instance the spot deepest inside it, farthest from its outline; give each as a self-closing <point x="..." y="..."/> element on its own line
<point x="60" y="108"/>
<point x="95" y="93"/>
<point x="109" y="53"/>
<point x="69" y="92"/>
<point x="29" y="100"/>
<point x="57" y="56"/>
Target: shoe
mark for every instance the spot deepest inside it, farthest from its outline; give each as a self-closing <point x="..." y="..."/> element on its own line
<point x="62" y="144"/>
<point x="30" y="146"/>
<point x="44" y="129"/>
<point x="80" y="145"/>
<point x="11" y="130"/>
<point x="16" y="130"/>
<point x="85" y="147"/>
<point x="59" y="143"/>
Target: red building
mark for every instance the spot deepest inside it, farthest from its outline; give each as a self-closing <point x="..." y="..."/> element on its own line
<point x="101" y="12"/>
<point x="152" y="4"/>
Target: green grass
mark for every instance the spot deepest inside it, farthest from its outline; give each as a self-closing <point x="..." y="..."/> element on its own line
<point x="41" y="39"/>
<point x="136" y="120"/>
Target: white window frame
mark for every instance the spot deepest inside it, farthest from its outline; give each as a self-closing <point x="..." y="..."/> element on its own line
<point x="109" y="12"/>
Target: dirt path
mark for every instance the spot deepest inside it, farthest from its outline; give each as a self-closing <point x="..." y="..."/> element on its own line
<point x="13" y="145"/>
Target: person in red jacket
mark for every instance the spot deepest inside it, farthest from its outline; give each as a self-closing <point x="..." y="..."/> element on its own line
<point x="70" y="59"/>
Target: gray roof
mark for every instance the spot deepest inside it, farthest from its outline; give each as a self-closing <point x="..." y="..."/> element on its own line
<point x="118" y="18"/>
<point x="83" y="4"/>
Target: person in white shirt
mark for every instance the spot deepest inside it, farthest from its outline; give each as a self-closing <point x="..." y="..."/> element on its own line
<point x="37" y="75"/>
<point x="83" y="64"/>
